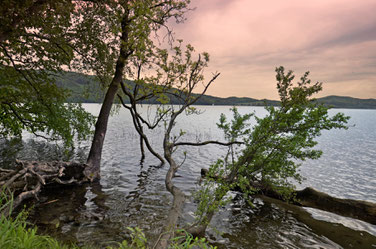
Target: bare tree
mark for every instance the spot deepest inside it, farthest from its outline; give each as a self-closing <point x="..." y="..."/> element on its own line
<point x="169" y="77"/>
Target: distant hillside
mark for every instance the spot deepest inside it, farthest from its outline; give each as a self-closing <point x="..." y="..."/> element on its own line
<point x="348" y="102"/>
<point x="83" y="88"/>
<point x="86" y="89"/>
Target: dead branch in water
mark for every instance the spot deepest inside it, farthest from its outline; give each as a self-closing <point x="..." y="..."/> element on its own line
<point x="29" y="177"/>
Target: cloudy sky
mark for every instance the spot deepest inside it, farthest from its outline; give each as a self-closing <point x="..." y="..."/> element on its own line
<point x="247" y="39"/>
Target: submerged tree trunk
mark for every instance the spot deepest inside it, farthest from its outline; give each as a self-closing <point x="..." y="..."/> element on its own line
<point x="342" y="235"/>
<point x="362" y="210"/>
<point x="92" y="171"/>
<point x="309" y="197"/>
<point x="177" y="203"/>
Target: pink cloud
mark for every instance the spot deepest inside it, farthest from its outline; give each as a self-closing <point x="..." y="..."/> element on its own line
<point x="335" y="40"/>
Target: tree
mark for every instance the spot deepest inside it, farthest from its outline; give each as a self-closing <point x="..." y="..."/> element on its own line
<point x="38" y="40"/>
<point x="100" y="37"/>
<point x="93" y="36"/>
<point x="171" y="74"/>
<point x="132" y="23"/>
<point x="33" y="50"/>
<point x="185" y="73"/>
<point x="272" y="148"/>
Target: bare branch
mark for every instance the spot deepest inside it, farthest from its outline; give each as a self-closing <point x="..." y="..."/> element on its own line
<point x="206" y="143"/>
<point x="15" y="177"/>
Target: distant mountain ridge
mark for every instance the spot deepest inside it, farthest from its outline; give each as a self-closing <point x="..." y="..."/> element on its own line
<point x="86" y="89"/>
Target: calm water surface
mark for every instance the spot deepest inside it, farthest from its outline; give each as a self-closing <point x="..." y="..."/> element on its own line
<point x="131" y="193"/>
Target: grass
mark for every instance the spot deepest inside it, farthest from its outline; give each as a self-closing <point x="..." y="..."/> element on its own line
<point x="15" y="233"/>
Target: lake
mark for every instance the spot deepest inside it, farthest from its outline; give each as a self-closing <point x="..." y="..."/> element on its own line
<point x="131" y="193"/>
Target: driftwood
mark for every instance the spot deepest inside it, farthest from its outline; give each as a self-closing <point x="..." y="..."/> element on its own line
<point x="309" y="197"/>
<point x="29" y="177"/>
<point x="362" y="210"/>
<point x="338" y="233"/>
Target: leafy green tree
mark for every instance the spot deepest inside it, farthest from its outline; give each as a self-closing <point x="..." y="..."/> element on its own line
<point x="35" y="45"/>
<point x="41" y="37"/>
<point x="271" y="150"/>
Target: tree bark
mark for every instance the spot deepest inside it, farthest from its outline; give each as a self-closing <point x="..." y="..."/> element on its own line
<point x="177" y="204"/>
<point x="92" y="172"/>
<point x="178" y="195"/>
<point x="309" y="197"/>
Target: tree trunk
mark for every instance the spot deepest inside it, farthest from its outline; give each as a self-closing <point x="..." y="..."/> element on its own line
<point x="178" y="196"/>
<point x="362" y="210"/>
<point x="309" y="197"/>
<point x="92" y="171"/>
<point x="176" y="208"/>
<point x="344" y="236"/>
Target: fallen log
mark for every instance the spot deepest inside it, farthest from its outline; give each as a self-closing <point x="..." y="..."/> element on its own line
<point x="362" y="210"/>
<point x="309" y="197"/>
<point x="340" y="234"/>
<point x="29" y="177"/>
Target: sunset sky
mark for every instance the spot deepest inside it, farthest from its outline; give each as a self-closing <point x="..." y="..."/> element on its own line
<point x="333" y="39"/>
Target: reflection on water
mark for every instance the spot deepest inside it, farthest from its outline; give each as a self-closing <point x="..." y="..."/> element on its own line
<point x="134" y="194"/>
<point x="34" y="149"/>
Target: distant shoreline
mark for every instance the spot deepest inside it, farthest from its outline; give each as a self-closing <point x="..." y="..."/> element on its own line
<point x="86" y="89"/>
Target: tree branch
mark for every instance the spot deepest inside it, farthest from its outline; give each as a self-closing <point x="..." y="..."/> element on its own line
<point x="206" y="143"/>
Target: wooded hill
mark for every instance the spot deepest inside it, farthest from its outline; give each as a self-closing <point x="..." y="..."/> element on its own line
<point x="87" y="89"/>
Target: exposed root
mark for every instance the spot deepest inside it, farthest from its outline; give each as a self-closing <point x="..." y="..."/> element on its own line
<point x="29" y="178"/>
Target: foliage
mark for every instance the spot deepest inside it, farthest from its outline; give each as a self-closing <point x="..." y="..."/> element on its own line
<point x="138" y="240"/>
<point x="46" y="117"/>
<point x="17" y="233"/>
<point x="271" y="150"/>
<point x="35" y="44"/>
<point x="14" y="233"/>
<point x="116" y="32"/>
<point x="183" y="241"/>
<point x="187" y="241"/>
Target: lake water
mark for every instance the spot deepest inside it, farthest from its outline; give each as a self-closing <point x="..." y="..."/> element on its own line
<point x="131" y="193"/>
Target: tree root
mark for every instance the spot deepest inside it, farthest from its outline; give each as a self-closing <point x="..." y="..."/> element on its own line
<point x="29" y="177"/>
